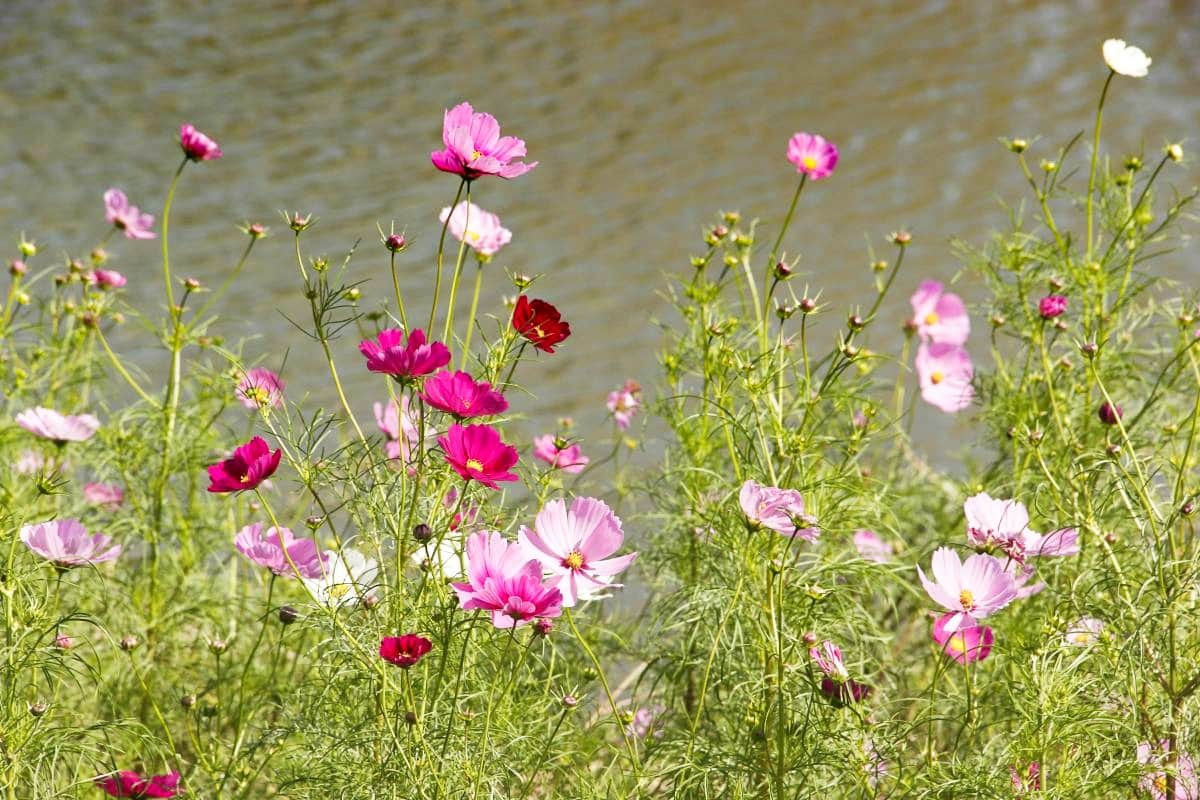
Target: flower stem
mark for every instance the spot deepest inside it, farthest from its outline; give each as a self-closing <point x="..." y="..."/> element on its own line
<point x="1092" y="166"/>
<point x="437" y="280"/>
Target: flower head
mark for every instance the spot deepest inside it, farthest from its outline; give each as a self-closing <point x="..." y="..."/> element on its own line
<point x="647" y="721"/>
<point x="400" y="427"/>
<point x="196" y="145"/>
<point x="1109" y="413"/>
<point x="968" y="643"/>
<point x="458" y="394"/>
<point x="812" y="155"/>
<point x="106" y="495"/>
<point x="970" y="590"/>
<point x="280" y="551"/>
<point x="1052" y="305"/>
<point x="1083" y="632"/>
<point x="1125" y="59"/>
<point x="404" y="651"/>
<point x="1029" y="781"/>
<point x="481" y="230"/>
<point x="250" y="465"/>
<point x="574" y="546"/>
<point x="126" y="216"/>
<point x="829" y="659"/>
<point x="872" y="547"/>
<point x="476" y="452"/>
<point x="66" y="543"/>
<point x="781" y="510"/>
<point x="474" y="146"/>
<point x="392" y="354"/>
<point x="540" y="323"/>
<point x="132" y="785"/>
<point x="106" y="278"/>
<point x="60" y="428"/>
<point x="503" y="579"/>
<point x="567" y="457"/>
<point x="940" y="316"/>
<point x="349" y="578"/>
<point x="945" y="372"/>
<point x="1187" y="787"/>
<point x="623" y="403"/>
<point x="260" y="388"/>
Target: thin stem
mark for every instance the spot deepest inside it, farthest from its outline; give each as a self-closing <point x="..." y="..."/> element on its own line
<point x="458" y="266"/>
<point x="466" y="348"/>
<point x="1092" y="166"/>
<point x="437" y="281"/>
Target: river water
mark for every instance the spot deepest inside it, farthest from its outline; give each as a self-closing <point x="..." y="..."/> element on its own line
<point x="646" y="117"/>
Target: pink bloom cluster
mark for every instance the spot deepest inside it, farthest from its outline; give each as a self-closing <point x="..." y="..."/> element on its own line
<point x="459" y="395"/>
<point x="260" y="388"/>
<point x="944" y="367"/>
<point x="130" y="784"/>
<point x="504" y="580"/>
<point x="106" y="279"/>
<point x="781" y="510"/>
<point x="404" y="358"/>
<point x="560" y="454"/>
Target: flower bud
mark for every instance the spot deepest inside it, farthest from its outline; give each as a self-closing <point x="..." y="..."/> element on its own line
<point x="742" y="240"/>
<point x="810" y="638"/>
<point x="720" y="232"/>
<point x="879" y="266"/>
<point x="188" y="700"/>
<point x="130" y="643"/>
<point x="698" y="262"/>
<point x="288" y="615"/>
<point x="783" y="271"/>
<point x="731" y="217"/>
<point x="63" y="642"/>
<point x="256" y="230"/>
<point x="1036" y="436"/>
<point x="1187" y="508"/>
<point x="191" y="284"/>
<point x="218" y="646"/>
<point x="27" y="248"/>
<point x="298" y="222"/>
<point x="807" y="305"/>
<point x="543" y="627"/>
<point x="1051" y="306"/>
<point x="1048" y="166"/>
<point x="38" y="709"/>
<point x="17" y="267"/>
<point x="522" y="281"/>
<point x="1174" y="152"/>
<point x="1017" y="145"/>
<point x="900" y="238"/>
<point x="370" y="601"/>
<point x="410" y="717"/>
<point x="1113" y="450"/>
<point x="855" y="322"/>
<point x="320" y="263"/>
<point x="569" y="701"/>
<point x="353" y="294"/>
<point x="1109" y="413"/>
<point x="1089" y="349"/>
<point x="998" y="320"/>
<point x="395" y="242"/>
<point x="99" y="256"/>
<point x="1133" y="163"/>
<point x="422" y="533"/>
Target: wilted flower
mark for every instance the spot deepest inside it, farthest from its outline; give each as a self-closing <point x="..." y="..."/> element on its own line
<point x="106" y="495"/>
<point x="1084" y="631"/>
<point x="260" y="388"/>
<point x="780" y="510"/>
<point x="126" y="216"/>
<point x="480" y="229"/>
<point x="540" y="323"/>
<point x="968" y="643"/>
<point x="569" y="457"/>
<point x="503" y="579"/>
<point x="476" y="452"/>
<point x="250" y="465"/>
<point x="971" y="590"/>
<point x="940" y="316"/>
<point x="59" y="428"/>
<point x="474" y="146"/>
<point x="812" y="155"/>
<point x="132" y="785"/>
<point x="829" y="659"/>
<point x="66" y="543"/>
<point x="1125" y="59"/>
<point x="280" y="551"/>
<point x="196" y="145"/>
<point x="872" y="547"/>
<point x="404" y="651"/>
<point x="392" y="354"/>
<point x="945" y="372"/>
<point x="349" y="578"/>
<point x="458" y="394"/>
<point x="1030" y="781"/>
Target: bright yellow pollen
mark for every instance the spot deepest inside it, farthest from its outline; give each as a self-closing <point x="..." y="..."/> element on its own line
<point x="1160" y="783"/>
<point x="339" y="590"/>
<point x="809" y="162"/>
<point x="932" y="318"/>
<point x="475" y="464"/>
<point x="245" y="478"/>
<point x="967" y="599"/>
<point x="937" y="377"/>
<point x="476" y="155"/>
<point x="537" y="329"/>
<point x="958" y="643"/>
<point x="574" y="560"/>
<point x="473" y="236"/>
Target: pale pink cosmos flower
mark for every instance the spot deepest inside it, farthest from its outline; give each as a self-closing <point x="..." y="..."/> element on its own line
<point x="106" y="278"/>
<point x="50" y="424"/>
<point x="1022" y="574"/>
<point x="126" y="216"/>
<point x="260" y="388"/>
<point x="467" y="512"/>
<point x="66" y="543"/>
<point x="812" y="155"/>
<point x="940" y="316"/>
<point x="31" y="462"/>
<point x="945" y="372"/>
<point x="647" y="721"/>
<point x="1083" y="632"/>
<point x="474" y="146"/>
<point x="1003" y="525"/>
<point x="972" y="590"/>
<point x="267" y="548"/>
<point x="1187" y="787"/>
<point x="872" y="547"/>
<point x="574" y="546"/>
<point x="106" y="495"/>
<point x="623" y="403"/>
<point x="481" y="230"/>
<point x="567" y="457"/>
<point x="829" y="659"/>
<point x="967" y="644"/>
<point x="504" y="580"/>
<point x="781" y="510"/>
<point x="400" y="426"/>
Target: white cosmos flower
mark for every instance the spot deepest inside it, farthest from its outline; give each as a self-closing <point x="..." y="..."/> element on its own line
<point x="1126" y="59"/>
<point x="349" y="578"/>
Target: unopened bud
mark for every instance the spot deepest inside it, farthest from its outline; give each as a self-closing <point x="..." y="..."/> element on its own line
<point x="855" y="322"/>
<point x="1187" y="508"/>
<point x="27" y="248"/>
<point x="900" y="238"/>
<point x="569" y="701"/>
<point x="370" y="601"/>
<point x="191" y="284"/>
<point x="354" y="294"/>
<point x="810" y="638"/>
<point x="38" y="709"/>
<point x="188" y="700"/>
<point x="218" y="646"/>
<point x="1174" y="152"/>
<point x="99" y="256"/>
<point x="543" y="626"/>
<point x="1089" y="349"/>
<point x="807" y="305"/>
<point x="17" y="267"/>
<point x="1036" y="436"/>
<point x="1048" y="166"/>
<point x="1133" y="163"/>
<point x="1017" y="145"/>
<point x="395" y="243"/>
<point x="256" y="231"/>
<point x="422" y="533"/>
<point x="288" y="615"/>
<point x="130" y="643"/>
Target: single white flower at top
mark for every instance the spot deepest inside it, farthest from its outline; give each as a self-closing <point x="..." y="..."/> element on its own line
<point x="1125" y="59"/>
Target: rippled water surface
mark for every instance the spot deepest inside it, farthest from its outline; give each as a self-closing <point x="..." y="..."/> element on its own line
<point x="646" y="118"/>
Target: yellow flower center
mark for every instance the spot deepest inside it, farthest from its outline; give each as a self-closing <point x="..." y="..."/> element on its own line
<point x="258" y="395"/>
<point x="537" y="330"/>
<point x="475" y="464"/>
<point x="574" y="560"/>
<point x="966" y="599"/>
<point x="809" y="162"/>
<point x="476" y="155"/>
<point x="957" y="643"/>
<point x="937" y="377"/>
<point x="339" y="591"/>
<point x="245" y="478"/>
<point x="932" y="318"/>
<point x="1160" y="783"/>
<point x="473" y="236"/>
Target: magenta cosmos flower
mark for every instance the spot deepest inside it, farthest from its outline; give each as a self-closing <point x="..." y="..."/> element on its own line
<point x="477" y="453"/>
<point x="280" y="551"/>
<point x="66" y="543"/>
<point x="391" y="354"/>
<point x="260" y="388"/>
<point x="967" y="644"/>
<point x="1187" y="787"/>
<point x="1052" y="305"/>
<point x="837" y="685"/>
<point x="574" y="547"/>
<point x="474" y="146"/>
<point x="945" y="372"/>
<point x="105" y="495"/>
<point x="59" y="428"/>
<point x="126" y="216"/>
<point x="458" y="394"/>
<point x="503" y="579"/>
<point x="481" y="230"/>
<point x="106" y="279"/>
<point x="812" y="155"/>
<point x="939" y="316"/>
<point x="196" y="145"/>
<point x="780" y="510"/>
<point x="971" y="590"/>
<point x="404" y="651"/>
<point x="623" y="403"/>
<point x="872" y="547"/>
<point x="132" y="785"/>
<point x="250" y="465"/>
<point x="559" y="454"/>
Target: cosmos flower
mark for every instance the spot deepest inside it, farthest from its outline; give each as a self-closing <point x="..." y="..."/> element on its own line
<point x="1125" y="59"/>
<point x="474" y="146"/>
<point x="812" y="155"/>
<point x="66" y="543"/>
<point x="127" y="217"/>
<point x="939" y="316"/>
<point x="575" y="546"/>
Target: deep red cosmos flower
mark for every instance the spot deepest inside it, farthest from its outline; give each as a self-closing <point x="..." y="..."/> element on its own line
<point x="130" y="784"/>
<point x="540" y="323"/>
<point x="404" y="651"/>
<point x="391" y="354"/>
<point x="477" y="453"/>
<point x="250" y="465"/>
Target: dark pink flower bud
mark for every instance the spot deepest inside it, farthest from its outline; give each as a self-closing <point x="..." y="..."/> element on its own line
<point x="1109" y="413"/>
<point x="1052" y="305"/>
<point x="395" y="242"/>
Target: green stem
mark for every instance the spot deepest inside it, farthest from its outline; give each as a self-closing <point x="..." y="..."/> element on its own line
<point x="458" y="266"/>
<point x="466" y="348"/>
<point x="437" y="281"/>
<point x="1092" y="166"/>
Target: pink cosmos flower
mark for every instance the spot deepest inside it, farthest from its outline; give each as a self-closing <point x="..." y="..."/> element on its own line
<point x="474" y="146"/>
<point x="390" y="354"/>
<point x="107" y="495"/>
<point x="250" y="465"/>
<point x="945" y="372"/>
<point x="480" y="229"/>
<point x="457" y="393"/>
<point x="260" y="388"/>
<point x="502" y="579"/>
<point x="106" y="278"/>
<point x="837" y="685"/>
<point x="280" y="551"/>
<point x="126" y="216"/>
<point x="647" y="721"/>
<point x="1030" y="781"/>
<point x="829" y="659"/>
<point x="967" y="644"/>
<point x="132" y="785"/>
<point x="574" y="547"/>
<point x="812" y="155"/>
<point x="1022" y="574"/>
<point x="1004" y="525"/>
<point x="871" y="547"/>
<point x="780" y="510"/>
<point x="559" y="454"/>
<point x="196" y="145"/>
<point x="1052" y="305"/>
<point x="971" y="590"/>
<point x="623" y="403"/>
<point x="404" y="651"/>
<point x="940" y="316"/>
<point x="400" y="426"/>
<point x="31" y="462"/>
<point x="1187" y="787"/>
<point x="477" y="453"/>
<point x="1084" y="631"/>
<point x="66" y="543"/>
<point x="59" y="428"/>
